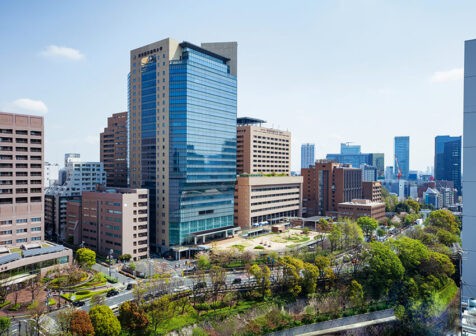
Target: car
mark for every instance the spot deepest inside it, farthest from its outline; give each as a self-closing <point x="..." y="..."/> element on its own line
<point x="112" y="292"/>
<point x="236" y="281"/>
<point x="78" y="303"/>
<point x="199" y="285"/>
<point x="130" y="286"/>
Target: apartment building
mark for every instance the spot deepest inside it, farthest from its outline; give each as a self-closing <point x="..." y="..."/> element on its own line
<point x="111" y="220"/>
<point x="328" y="183"/>
<point x="261" y="199"/>
<point x="372" y="190"/>
<point x="113" y="150"/>
<point x="260" y="149"/>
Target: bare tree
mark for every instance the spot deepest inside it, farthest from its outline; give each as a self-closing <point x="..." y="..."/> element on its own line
<point x="218" y="279"/>
<point x="63" y="320"/>
<point x="35" y="286"/>
<point x="37" y="321"/>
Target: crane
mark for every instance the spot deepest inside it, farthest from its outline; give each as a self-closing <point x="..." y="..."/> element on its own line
<point x="399" y="175"/>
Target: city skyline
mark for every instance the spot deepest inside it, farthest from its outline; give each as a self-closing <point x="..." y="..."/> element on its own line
<point x="64" y="77"/>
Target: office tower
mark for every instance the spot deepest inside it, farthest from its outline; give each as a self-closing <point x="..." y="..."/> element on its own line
<point x="326" y="184"/>
<point x="111" y="219"/>
<point x="469" y="177"/>
<point x="182" y="119"/>
<point x="262" y="150"/>
<point x="448" y="159"/>
<point x="70" y="157"/>
<point x="372" y="190"/>
<point x="307" y="155"/>
<point x="52" y="171"/>
<point x="113" y="150"/>
<point x="21" y="174"/>
<point x="80" y="176"/>
<point x="369" y="173"/>
<point x="402" y="154"/>
<point x="351" y="154"/>
<point x="260" y="199"/>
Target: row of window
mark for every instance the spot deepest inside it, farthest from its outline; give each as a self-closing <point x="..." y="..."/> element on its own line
<point x="19" y="132"/>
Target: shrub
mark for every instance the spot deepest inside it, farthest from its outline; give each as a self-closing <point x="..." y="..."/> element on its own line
<point x="32" y="305"/>
<point x="202" y="306"/>
<point x="5" y="303"/>
<point x="83" y="292"/>
<point x="217" y="305"/>
<point x="259" y="247"/>
<point x="111" y="279"/>
<point x="51" y="302"/>
<point x="15" y="307"/>
<point x="199" y="332"/>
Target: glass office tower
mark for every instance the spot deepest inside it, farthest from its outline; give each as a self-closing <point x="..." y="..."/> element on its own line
<point x="402" y="154"/>
<point x="182" y="111"/>
<point x="448" y="159"/>
<point x="307" y="155"/>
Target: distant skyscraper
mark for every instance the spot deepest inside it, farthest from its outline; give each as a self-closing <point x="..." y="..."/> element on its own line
<point x="469" y="177"/>
<point x="307" y="155"/>
<point x="448" y="159"/>
<point x="350" y="154"/>
<point x="347" y="148"/>
<point x="402" y="154"/>
<point x="182" y="119"/>
<point x="113" y="150"/>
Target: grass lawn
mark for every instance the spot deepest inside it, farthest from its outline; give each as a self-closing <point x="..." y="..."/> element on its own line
<point x="240" y="247"/>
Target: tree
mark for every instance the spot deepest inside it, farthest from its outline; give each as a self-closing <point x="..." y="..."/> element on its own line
<point x="355" y="293"/>
<point x="445" y="220"/>
<point x="203" y="261"/>
<point x="322" y="262"/>
<point x="81" y="324"/>
<point x="218" y="279"/>
<point x="291" y="274"/>
<point x="261" y="275"/>
<point x="323" y="225"/>
<point x="414" y="205"/>
<point x="411" y="218"/>
<point x="335" y="236"/>
<point x="160" y="312"/>
<point x="133" y="318"/>
<point x="36" y="320"/>
<point x="4" y="325"/>
<point x="97" y="299"/>
<point x="411" y="253"/>
<point x="34" y="286"/>
<point x="380" y="232"/>
<point x="368" y="225"/>
<point x="63" y="320"/>
<point x="402" y="207"/>
<point x="104" y="321"/>
<point x="310" y="276"/>
<point x="351" y="233"/>
<point x="85" y="257"/>
<point x="125" y="257"/>
<point x="383" y="268"/>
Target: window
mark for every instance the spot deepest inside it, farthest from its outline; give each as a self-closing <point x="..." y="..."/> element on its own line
<point x="35" y="238"/>
<point x="23" y="240"/>
<point x="36" y="229"/>
<point x="36" y="219"/>
<point x="23" y="220"/>
<point x="22" y="230"/>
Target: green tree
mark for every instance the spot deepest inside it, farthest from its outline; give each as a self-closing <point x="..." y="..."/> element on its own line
<point x="4" y="325"/>
<point x="323" y="225"/>
<point x="335" y="236"/>
<point x="218" y="279"/>
<point x="411" y="252"/>
<point x="203" y="262"/>
<point x="402" y="207"/>
<point x="81" y="324"/>
<point x="261" y="275"/>
<point x="104" y="321"/>
<point x="160" y="312"/>
<point x="382" y="268"/>
<point x="133" y="318"/>
<point x="414" y="205"/>
<point x="368" y="225"/>
<point x="291" y="270"/>
<point x="444" y="219"/>
<point x="355" y="293"/>
<point x="351" y="233"/>
<point x="380" y="232"/>
<point x="86" y="257"/>
<point x="411" y="218"/>
<point x="322" y="262"/>
<point x="125" y="257"/>
<point x="310" y="276"/>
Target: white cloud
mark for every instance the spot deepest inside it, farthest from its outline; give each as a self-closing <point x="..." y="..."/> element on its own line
<point x="62" y="52"/>
<point x="447" y="76"/>
<point x="27" y="105"/>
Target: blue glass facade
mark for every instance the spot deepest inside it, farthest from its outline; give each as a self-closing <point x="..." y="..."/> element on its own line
<point x="202" y="144"/>
<point x="448" y="159"/>
<point x="402" y="153"/>
<point x="307" y="155"/>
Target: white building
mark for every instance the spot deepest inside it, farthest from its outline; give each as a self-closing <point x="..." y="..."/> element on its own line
<point x="51" y="174"/>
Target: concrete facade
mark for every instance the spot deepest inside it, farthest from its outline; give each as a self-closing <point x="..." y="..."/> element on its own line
<point x="51" y="174"/>
<point x="113" y="150"/>
<point x="263" y="150"/>
<point x="267" y="198"/>
<point x="111" y="219"/>
<point x="21" y="179"/>
<point x="361" y="208"/>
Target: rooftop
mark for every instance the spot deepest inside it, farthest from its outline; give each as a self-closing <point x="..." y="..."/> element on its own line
<point x="245" y="121"/>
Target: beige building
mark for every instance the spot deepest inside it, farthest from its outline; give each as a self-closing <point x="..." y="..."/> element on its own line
<point x="361" y="208"/>
<point x="261" y="199"/>
<point x="111" y="219"/>
<point x="113" y="150"/>
<point x="260" y="149"/>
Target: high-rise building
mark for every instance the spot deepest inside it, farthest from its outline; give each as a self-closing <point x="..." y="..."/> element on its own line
<point x="262" y="150"/>
<point x="326" y="184"/>
<point x="21" y="174"/>
<point x="113" y="150"/>
<point x="52" y="171"/>
<point x="402" y="155"/>
<point x="448" y="159"/>
<point x="369" y="173"/>
<point x="372" y="190"/>
<point x="80" y="176"/>
<point x="182" y="119"/>
<point x="469" y="177"/>
<point x="307" y="155"/>
<point x="351" y="154"/>
<point x="111" y="219"/>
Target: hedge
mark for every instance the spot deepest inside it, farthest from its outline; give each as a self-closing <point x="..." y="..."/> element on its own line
<point x="3" y="304"/>
<point x="83" y="292"/>
<point x="32" y="305"/>
<point x="111" y="279"/>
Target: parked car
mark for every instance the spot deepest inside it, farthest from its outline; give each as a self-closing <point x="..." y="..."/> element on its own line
<point x="199" y="285"/>
<point x="78" y="303"/>
<point x="112" y="293"/>
<point x="236" y="281"/>
<point x="130" y="286"/>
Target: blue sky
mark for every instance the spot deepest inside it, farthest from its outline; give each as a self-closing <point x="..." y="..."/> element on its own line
<point x="328" y="71"/>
